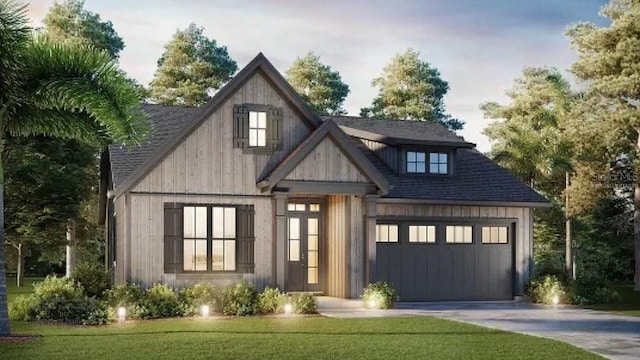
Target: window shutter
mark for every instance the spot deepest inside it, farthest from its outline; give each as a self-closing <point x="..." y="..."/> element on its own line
<point x="274" y="128"/>
<point x="240" y="126"/>
<point x="173" y="242"/>
<point x="246" y="238"/>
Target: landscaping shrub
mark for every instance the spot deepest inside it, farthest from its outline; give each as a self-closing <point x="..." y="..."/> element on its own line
<point x="304" y="303"/>
<point x="592" y="289"/>
<point x="240" y="299"/>
<point x="95" y="280"/>
<point x="271" y="301"/>
<point x="543" y="289"/>
<point x="20" y="308"/>
<point x="201" y="294"/>
<point x="127" y="295"/>
<point x="379" y="295"/>
<point x="60" y="300"/>
<point x="159" y="301"/>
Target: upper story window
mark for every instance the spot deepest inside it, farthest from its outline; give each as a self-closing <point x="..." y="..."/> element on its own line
<point x="416" y="162"/>
<point x="438" y="163"/>
<point x="257" y="128"/>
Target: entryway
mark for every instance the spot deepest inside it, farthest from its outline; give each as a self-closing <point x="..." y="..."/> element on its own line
<point x="304" y="246"/>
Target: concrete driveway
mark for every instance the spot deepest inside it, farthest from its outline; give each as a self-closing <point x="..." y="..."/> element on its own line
<point x="612" y="336"/>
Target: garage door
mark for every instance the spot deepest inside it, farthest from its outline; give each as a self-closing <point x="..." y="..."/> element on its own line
<point x="428" y="261"/>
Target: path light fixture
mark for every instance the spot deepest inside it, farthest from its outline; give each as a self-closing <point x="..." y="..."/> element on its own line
<point x="288" y="309"/>
<point x="204" y="310"/>
<point x="555" y="300"/>
<point x="372" y="304"/>
<point x="122" y="314"/>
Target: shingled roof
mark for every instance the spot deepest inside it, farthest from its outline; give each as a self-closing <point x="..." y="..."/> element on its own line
<point x="165" y="122"/>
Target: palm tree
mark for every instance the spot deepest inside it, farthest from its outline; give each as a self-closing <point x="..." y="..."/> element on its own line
<point x="60" y="90"/>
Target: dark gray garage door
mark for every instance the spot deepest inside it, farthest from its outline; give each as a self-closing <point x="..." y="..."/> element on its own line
<point x="440" y="261"/>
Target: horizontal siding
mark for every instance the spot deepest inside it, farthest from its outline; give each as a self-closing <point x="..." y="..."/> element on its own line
<point x="206" y="161"/>
<point x="327" y="163"/>
<point x="147" y="265"/>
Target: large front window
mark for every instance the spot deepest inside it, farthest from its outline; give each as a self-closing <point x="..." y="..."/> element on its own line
<point x="209" y="238"/>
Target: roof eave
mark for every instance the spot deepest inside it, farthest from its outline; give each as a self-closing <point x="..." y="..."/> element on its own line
<point x="527" y="204"/>
<point x="396" y="141"/>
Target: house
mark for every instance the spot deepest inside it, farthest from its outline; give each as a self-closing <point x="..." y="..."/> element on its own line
<point x="255" y="186"/>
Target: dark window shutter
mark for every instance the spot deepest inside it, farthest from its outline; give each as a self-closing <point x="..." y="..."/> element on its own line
<point x="274" y="128"/>
<point x="240" y="126"/>
<point x="173" y="242"/>
<point x="246" y="238"/>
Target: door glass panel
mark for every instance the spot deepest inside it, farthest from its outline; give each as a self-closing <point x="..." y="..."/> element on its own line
<point x="314" y="207"/>
<point x="294" y="250"/>
<point x="313" y="242"/>
<point x="296" y="207"/>
<point x="294" y="239"/>
<point x="312" y="275"/>
<point x="312" y="250"/>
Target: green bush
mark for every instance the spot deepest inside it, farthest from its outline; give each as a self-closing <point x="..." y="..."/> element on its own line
<point x="60" y="300"/>
<point x="20" y="308"/>
<point x="240" y="300"/>
<point x="271" y="301"/>
<point x="159" y="301"/>
<point x="304" y="303"/>
<point x="127" y="295"/>
<point x="201" y="294"/>
<point x="592" y="289"/>
<point x="95" y="280"/>
<point x="379" y="295"/>
<point x="543" y="289"/>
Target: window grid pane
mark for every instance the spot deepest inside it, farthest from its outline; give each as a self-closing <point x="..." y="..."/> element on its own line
<point x="438" y="163"/>
<point x="194" y="238"/>
<point x="257" y="128"/>
<point x="386" y="233"/>
<point x="422" y="234"/>
<point x="416" y="162"/>
<point x="495" y="235"/>
<point x="459" y="234"/>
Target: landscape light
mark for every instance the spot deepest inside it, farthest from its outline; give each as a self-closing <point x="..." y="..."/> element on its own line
<point x="288" y="309"/>
<point x="204" y="310"/>
<point x="555" y="300"/>
<point x="122" y="313"/>
<point x="372" y="304"/>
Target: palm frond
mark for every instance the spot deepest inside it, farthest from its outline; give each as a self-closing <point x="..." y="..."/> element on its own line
<point x="14" y="34"/>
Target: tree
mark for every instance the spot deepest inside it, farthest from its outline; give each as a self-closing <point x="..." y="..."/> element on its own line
<point x="61" y="90"/>
<point x="411" y="89"/>
<point x="70" y="21"/>
<point x="191" y="69"/>
<point x="318" y="84"/>
<point x="608" y="59"/>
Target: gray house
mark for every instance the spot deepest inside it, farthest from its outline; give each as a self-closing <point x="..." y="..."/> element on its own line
<point x="255" y="186"/>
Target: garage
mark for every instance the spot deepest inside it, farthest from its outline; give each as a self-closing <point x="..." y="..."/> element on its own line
<point x="440" y="260"/>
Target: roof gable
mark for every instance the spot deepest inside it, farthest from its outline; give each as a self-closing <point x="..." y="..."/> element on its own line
<point x="258" y="64"/>
<point x="331" y="132"/>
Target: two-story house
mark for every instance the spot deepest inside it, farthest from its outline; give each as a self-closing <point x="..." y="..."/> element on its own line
<point x="255" y="186"/>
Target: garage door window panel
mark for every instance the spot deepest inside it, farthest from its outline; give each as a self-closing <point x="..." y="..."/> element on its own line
<point x="387" y="233"/>
<point x="459" y="234"/>
<point x="422" y="234"/>
<point x="495" y="235"/>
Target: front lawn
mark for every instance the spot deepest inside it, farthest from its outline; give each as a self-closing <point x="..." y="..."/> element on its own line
<point x="284" y="338"/>
<point x="629" y="305"/>
<point x="13" y="291"/>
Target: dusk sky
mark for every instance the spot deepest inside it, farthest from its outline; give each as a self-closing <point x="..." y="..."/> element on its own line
<point x="478" y="46"/>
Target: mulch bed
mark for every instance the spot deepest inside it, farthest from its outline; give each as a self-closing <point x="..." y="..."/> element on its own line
<point x="17" y="339"/>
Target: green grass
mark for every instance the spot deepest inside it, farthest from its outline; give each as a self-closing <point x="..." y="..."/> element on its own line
<point x="26" y="288"/>
<point x="285" y="338"/>
<point x="630" y="304"/>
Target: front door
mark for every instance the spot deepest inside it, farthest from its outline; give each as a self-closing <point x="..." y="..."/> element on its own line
<point x="304" y="246"/>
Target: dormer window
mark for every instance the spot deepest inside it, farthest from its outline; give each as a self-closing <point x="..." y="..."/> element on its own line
<point x="416" y="162"/>
<point x="257" y="128"/>
<point x="438" y="163"/>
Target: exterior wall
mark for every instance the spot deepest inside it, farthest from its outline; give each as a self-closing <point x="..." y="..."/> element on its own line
<point x="327" y="163"/>
<point x="524" y="227"/>
<point x="121" y="221"/>
<point x="207" y="163"/>
<point x="147" y="239"/>
<point x="388" y="154"/>
<point x="345" y="246"/>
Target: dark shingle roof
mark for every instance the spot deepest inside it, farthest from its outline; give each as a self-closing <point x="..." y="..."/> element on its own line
<point x="165" y="123"/>
<point x="395" y="131"/>
<point x="476" y="178"/>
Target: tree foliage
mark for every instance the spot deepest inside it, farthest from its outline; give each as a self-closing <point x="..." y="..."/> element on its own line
<point x="318" y="84"/>
<point x="191" y="68"/>
<point x="411" y="89"/>
<point x="70" y="21"/>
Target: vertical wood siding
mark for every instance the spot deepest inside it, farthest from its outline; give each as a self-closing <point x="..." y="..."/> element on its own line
<point x="119" y="276"/>
<point x="327" y="163"/>
<point x="206" y="161"/>
<point x="524" y="233"/>
<point x="388" y="154"/>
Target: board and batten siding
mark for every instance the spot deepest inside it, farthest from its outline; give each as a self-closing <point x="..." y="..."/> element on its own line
<point x="524" y="227"/>
<point x="147" y="245"/>
<point x="327" y="162"/>
<point x="206" y="161"/>
<point x="344" y="246"/>
<point x="388" y="154"/>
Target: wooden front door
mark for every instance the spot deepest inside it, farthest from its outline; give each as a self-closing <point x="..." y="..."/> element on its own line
<point x="304" y="247"/>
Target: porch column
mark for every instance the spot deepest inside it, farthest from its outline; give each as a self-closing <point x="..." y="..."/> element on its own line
<point x="280" y="236"/>
<point x="370" y="217"/>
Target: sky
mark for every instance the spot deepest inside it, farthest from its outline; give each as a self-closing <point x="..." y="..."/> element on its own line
<point x="479" y="46"/>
